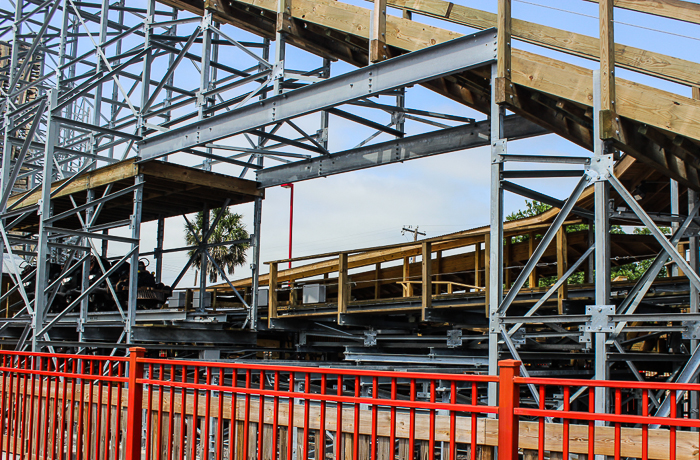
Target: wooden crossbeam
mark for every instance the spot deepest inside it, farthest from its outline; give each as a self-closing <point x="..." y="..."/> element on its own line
<point x="627" y="57"/>
<point x="672" y="9"/>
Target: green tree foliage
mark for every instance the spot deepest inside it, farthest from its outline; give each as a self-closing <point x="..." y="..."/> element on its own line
<point x="229" y="228"/>
<point x="631" y="271"/>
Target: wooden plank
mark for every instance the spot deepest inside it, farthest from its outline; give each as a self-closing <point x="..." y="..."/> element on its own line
<point x="531" y="246"/>
<point x="672" y="9"/>
<point x="504" y="22"/>
<point x="343" y="284"/>
<point x="607" y="70"/>
<point x="427" y="274"/>
<point x="628" y="57"/>
<point x="477" y="264"/>
<point x="487" y="270"/>
<point x="178" y="173"/>
<point x="377" y="283"/>
<point x="377" y="44"/>
<point x="562" y="253"/>
<point x="272" y="299"/>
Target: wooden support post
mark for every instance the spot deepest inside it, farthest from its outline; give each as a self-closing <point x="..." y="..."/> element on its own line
<point x="377" y="45"/>
<point x="609" y="127"/>
<point x="507" y="272"/>
<point x="436" y="270"/>
<point x="487" y="269"/>
<point x="284" y="16"/>
<point x="532" y="245"/>
<point x="503" y="68"/>
<point x="478" y="279"/>
<point x="427" y="282"/>
<point x="407" y="287"/>
<point x="272" y="302"/>
<point x="343" y="284"/>
<point x="562" y="253"/>
<point x="377" y="284"/>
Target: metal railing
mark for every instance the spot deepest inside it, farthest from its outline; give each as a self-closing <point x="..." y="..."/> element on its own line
<point x="55" y="407"/>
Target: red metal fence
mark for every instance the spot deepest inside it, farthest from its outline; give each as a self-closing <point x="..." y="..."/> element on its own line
<point x="73" y="407"/>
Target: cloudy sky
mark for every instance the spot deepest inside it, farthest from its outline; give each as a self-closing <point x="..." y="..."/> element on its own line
<point x="441" y="194"/>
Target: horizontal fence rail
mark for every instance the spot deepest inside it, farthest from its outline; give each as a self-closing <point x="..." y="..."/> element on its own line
<point x="75" y="407"/>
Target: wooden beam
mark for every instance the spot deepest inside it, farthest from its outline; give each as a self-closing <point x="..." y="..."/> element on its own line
<point x="427" y="282"/>
<point x="272" y="302"/>
<point x="507" y="272"/>
<point x="562" y="253"/>
<point x="343" y="284"/>
<point x="477" y="264"/>
<point x="607" y="70"/>
<point x="377" y="283"/>
<point x="503" y="39"/>
<point x="531" y="246"/>
<point x="672" y="9"/>
<point x="487" y="270"/>
<point x="377" y="44"/>
<point x="627" y="57"/>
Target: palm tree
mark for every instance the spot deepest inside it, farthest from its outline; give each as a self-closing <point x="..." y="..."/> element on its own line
<point x="228" y="256"/>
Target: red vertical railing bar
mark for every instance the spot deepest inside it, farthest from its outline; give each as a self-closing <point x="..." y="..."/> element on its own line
<point x="375" y="396"/>
<point x="61" y="434"/>
<point x="11" y="407"/>
<point x="2" y="405"/>
<point x="356" y="423"/>
<point x="135" y="405"/>
<point x="88" y="431"/>
<point x="246" y="416"/>
<point x="15" y="411"/>
<point x="392" y="419"/>
<point x="48" y="408"/>
<point x="98" y="413"/>
<point x="149" y="408"/>
<point x="183" y="413"/>
<point x="540" y="424"/>
<point x="79" y="441"/>
<point x="207" y="415"/>
<point x="307" y="409"/>
<point x="565" y="441"/>
<point x="118" y="416"/>
<point x="54" y="420"/>
<point x="431" y="425"/>
<point x="30" y="413"/>
<point x="618" y="411"/>
<point x="234" y="414"/>
<point x="71" y="414"/>
<point x="195" y="415"/>
<point x="645" y="427"/>
<point x="672" y="434"/>
<point x="411" y="420"/>
<point x="475" y="401"/>
<point x="508" y="400"/>
<point x="25" y="402"/>
<point x="220" y="420"/>
<point x="171" y="415"/>
<point x="159" y="426"/>
<point x="591" y="424"/>
<point x="322" y="421"/>
<point x="261" y="416"/>
<point x="275" y="415"/>
<point x="453" y="422"/>
<point x="108" y="418"/>
<point x="339" y="421"/>
<point x="290" y="422"/>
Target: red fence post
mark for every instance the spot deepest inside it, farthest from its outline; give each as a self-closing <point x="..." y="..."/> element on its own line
<point x="135" y="403"/>
<point x="508" y="400"/>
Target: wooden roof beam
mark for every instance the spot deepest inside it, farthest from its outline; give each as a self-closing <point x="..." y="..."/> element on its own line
<point x="627" y="57"/>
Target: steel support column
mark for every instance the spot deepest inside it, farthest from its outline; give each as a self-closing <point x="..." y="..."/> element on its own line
<point x="498" y="147"/>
